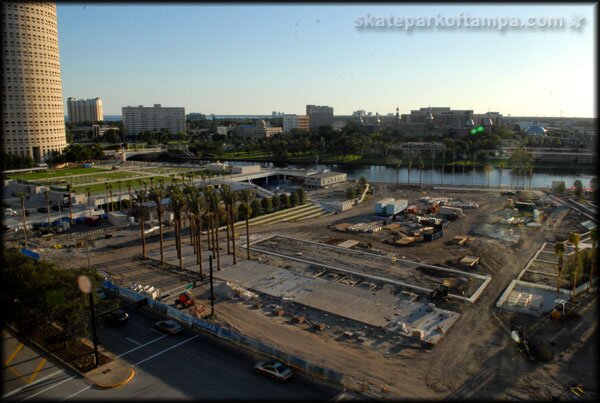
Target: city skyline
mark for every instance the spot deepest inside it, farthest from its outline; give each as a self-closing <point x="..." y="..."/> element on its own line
<point x="280" y="58"/>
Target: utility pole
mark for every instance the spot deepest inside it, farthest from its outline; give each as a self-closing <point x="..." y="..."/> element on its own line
<point x="94" y="337"/>
<point x="212" y="296"/>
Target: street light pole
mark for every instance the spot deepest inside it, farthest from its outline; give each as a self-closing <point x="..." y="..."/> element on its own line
<point x="212" y="296"/>
<point x="94" y="337"/>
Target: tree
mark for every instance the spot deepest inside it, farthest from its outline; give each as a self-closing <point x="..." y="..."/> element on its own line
<point x="229" y="198"/>
<point x="197" y="207"/>
<point x="214" y="206"/>
<point x="276" y="202"/>
<point x="410" y="161"/>
<point x="501" y="166"/>
<point x="421" y="166"/>
<point x="574" y="240"/>
<point x="88" y="191"/>
<point x="69" y="189"/>
<point x="157" y="194"/>
<point x="594" y="238"/>
<point x="285" y="200"/>
<point x="178" y="205"/>
<point x="140" y="199"/>
<point x="266" y="204"/>
<point x="22" y="196"/>
<point x="301" y="196"/>
<point x="246" y="198"/>
<point x="578" y="188"/>
<point x="561" y="188"/>
<point x="293" y="199"/>
<point x="256" y="207"/>
<point x="350" y="193"/>
<point x="47" y="199"/>
<point x="487" y="168"/>
<point x="398" y="166"/>
<point x="128" y="184"/>
<point x="559" y="250"/>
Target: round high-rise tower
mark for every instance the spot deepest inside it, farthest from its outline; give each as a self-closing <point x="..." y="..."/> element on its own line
<point x="33" y="121"/>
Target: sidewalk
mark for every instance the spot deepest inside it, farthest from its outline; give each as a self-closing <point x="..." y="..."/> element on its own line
<point x="114" y="374"/>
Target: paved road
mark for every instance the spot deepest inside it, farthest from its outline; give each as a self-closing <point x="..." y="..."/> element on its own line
<point x="189" y="365"/>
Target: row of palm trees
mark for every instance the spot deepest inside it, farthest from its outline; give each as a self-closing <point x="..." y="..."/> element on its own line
<point x="203" y="207"/>
<point x="521" y="169"/>
<point x="559" y="249"/>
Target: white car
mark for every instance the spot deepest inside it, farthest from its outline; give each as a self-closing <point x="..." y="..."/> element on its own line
<point x="273" y="369"/>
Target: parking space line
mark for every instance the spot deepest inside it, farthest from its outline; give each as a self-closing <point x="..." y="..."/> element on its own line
<point x="133" y="341"/>
<point x="13" y="392"/>
<point x="165" y="350"/>
<point x="14" y="371"/>
<point x="76" y="393"/>
<point x="14" y="354"/>
<point x="48" y="388"/>
<point x="38" y="369"/>
<point x="143" y="345"/>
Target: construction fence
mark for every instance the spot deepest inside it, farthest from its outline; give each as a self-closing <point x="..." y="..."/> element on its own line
<point x="238" y="339"/>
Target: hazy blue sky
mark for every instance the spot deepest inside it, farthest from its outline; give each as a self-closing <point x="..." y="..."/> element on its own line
<point x="254" y="59"/>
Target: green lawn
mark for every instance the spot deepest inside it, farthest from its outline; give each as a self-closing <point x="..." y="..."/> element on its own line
<point x="101" y="188"/>
<point x="55" y="173"/>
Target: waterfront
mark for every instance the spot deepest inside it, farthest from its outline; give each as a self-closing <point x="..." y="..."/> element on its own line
<point x="471" y="177"/>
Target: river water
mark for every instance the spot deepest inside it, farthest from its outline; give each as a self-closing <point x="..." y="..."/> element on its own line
<point x="471" y="177"/>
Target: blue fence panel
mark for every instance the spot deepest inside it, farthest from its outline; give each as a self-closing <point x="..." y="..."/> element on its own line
<point x="30" y="253"/>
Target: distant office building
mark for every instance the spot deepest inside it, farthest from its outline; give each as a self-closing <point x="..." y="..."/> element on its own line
<point x="446" y="117"/>
<point x="295" y="122"/>
<point x="260" y="129"/>
<point x="196" y="116"/>
<point x="226" y="130"/>
<point x="339" y="125"/>
<point x="33" y="113"/>
<point x="138" y="119"/>
<point x="319" y="116"/>
<point x="359" y="113"/>
<point x="85" y="110"/>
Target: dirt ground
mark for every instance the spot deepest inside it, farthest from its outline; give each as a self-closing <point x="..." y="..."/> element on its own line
<point x="475" y="359"/>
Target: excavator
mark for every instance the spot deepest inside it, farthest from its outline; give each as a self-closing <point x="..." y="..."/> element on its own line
<point x="441" y="292"/>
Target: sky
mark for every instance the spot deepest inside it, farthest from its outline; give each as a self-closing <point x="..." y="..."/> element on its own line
<point x="259" y="58"/>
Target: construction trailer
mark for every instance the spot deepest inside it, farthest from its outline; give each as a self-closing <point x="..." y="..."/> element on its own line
<point x="451" y="211"/>
<point x="117" y="218"/>
<point x="380" y="205"/>
<point x="395" y="207"/>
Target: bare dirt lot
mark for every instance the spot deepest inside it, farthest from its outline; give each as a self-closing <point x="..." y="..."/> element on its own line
<point x="475" y="359"/>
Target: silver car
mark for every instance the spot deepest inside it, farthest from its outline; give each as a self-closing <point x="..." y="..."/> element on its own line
<point x="168" y="326"/>
<point x="273" y="369"/>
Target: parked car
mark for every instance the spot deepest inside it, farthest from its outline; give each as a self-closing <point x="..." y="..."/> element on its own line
<point x="273" y="369"/>
<point x="117" y="318"/>
<point x="168" y="326"/>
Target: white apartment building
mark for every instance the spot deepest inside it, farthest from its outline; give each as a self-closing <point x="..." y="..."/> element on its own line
<point x="85" y="110"/>
<point x="138" y="119"/>
<point x="291" y="121"/>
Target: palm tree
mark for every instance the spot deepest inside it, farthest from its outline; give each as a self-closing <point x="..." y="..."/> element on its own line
<point x="530" y="172"/>
<point x="594" y="238"/>
<point x="47" y="198"/>
<point x="157" y="194"/>
<point x="421" y="166"/>
<point x="229" y="200"/>
<point x="453" y="165"/>
<point x="501" y="166"/>
<point x="488" y="169"/>
<point x="120" y="198"/>
<point x="197" y="207"/>
<point x="178" y="206"/>
<point x="69" y="189"/>
<point x="214" y="204"/>
<point x="89" y="199"/>
<point x="443" y="164"/>
<point x="107" y="199"/>
<point x="410" y="161"/>
<point x="22" y="195"/>
<point x="398" y="166"/>
<point x="464" y="166"/>
<point x="246" y="197"/>
<point x="140" y="199"/>
<point x="432" y="166"/>
<point x="574" y="240"/>
<point x="128" y="183"/>
<point x="559" y="250"/>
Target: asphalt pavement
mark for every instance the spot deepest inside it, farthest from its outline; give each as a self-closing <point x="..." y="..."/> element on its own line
<point x="189" y="365"/>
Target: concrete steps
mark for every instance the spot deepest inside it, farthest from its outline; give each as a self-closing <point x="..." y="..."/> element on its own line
<point x="312" y="213"/>
<point x="290" y="215"/>
<point x="269" y="217"/>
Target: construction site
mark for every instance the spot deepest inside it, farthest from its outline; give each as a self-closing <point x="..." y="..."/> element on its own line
<point x="411" y="293"/>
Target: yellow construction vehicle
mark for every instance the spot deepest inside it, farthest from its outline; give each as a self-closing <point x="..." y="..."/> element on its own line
<point x="562" y="310"/>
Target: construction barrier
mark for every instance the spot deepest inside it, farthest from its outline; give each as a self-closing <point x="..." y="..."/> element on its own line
<point x="226" y="334"/>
